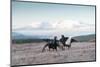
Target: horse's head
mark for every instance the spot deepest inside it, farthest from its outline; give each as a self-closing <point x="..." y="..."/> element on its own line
<point x="66" y="38"/>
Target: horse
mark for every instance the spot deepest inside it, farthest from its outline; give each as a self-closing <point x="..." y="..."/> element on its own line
<point x="53" y="44"/>
<point x="67" y="41"/>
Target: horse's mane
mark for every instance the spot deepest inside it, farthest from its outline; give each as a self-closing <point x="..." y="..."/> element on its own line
<point x="70" y="40"/>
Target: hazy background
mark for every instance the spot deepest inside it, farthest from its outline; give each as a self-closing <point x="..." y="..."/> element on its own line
<point x="48" y="20"/>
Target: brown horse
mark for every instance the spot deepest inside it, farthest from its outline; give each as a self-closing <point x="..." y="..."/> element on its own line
<point x="52" y="45"/>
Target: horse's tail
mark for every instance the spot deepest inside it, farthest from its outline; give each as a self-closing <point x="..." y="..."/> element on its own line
<point x="44" y="47"/>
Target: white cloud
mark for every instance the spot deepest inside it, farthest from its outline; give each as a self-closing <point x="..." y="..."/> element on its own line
<point x="63" y="25"/>
<point x="66" y="27"/>
<point x="35" y="24"/>
<point x="68" y="24"/>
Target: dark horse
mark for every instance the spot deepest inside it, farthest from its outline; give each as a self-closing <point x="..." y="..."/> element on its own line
<point x="52" y="45"/>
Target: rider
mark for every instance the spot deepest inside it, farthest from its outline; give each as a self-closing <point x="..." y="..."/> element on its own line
<point x="55" y="43"/>
<point x="63" y="40"/>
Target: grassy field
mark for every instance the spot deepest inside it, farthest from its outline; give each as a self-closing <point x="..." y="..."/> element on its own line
<point x="31" y="53"/>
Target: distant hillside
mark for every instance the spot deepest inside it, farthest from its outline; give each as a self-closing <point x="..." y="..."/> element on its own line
<point x="85" y="38"/>
<point x="19" y="36"/>
<point x="16" y="35"/>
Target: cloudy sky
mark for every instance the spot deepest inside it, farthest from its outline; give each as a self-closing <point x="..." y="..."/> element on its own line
<point x="52" y="19"/>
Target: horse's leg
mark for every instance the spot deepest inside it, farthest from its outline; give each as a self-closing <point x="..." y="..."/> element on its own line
<point x="53" y="49"/>
<point x="68" y="45"/>
<point x="65" y="45"/>
<point x="62" y="47"/>
<point x="49" y="49"/>
<point x="56" y="48"/>
<point x="44" y="47"/>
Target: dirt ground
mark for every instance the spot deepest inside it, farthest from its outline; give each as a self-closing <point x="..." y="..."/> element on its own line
<point x="31" y="53"/>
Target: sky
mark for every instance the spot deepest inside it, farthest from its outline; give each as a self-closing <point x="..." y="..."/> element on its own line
<point x="52" y="19"/>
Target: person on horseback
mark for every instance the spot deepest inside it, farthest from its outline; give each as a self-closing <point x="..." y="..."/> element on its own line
<point x="63" y="40"/>
<point x="52" y="44"/>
